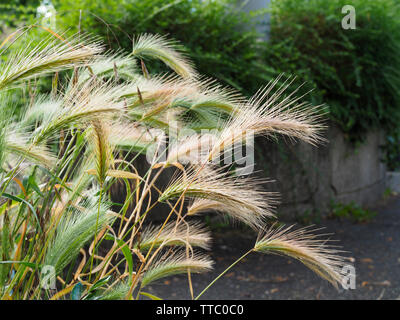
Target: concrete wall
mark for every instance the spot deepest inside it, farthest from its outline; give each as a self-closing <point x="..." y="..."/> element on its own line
<point x="393" y="181"/>
<point x="262" y="20"/>
<point x="309" y="178"/>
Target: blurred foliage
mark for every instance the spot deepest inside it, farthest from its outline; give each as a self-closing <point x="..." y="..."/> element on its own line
<point x="14" y="13"/>
<point x="356" y="72"/>
<point x="219" y="37"/>
<point x="391" y="150"/>
<point x="351" y="211"/>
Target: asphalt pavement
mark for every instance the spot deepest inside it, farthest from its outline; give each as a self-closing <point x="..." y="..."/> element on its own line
<point x="374" y="247"/>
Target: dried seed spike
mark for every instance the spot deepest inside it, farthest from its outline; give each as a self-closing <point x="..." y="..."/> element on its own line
<point x="303" y="245"/>
<point x="242" y="197"/>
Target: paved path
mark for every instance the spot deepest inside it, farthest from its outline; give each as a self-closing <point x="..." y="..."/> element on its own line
<point x="375" y="247"/>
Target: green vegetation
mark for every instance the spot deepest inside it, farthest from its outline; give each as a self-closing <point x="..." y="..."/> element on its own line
<point x="219" y="37"/>
<point x="351" y="211"/>
<point x="356" y="72"/>
<point x="309" y="217"/>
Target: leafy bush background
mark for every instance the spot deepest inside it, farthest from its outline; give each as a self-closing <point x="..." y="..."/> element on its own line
<point x="219" y="37"/>
<point x="356" y="72"/>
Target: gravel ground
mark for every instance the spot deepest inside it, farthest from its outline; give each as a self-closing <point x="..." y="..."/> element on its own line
<point x="375" y="247"/>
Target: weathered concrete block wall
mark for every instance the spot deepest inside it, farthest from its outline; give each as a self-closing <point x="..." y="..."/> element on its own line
<point x="393" y="181"/>
<point x="309" y="178"/>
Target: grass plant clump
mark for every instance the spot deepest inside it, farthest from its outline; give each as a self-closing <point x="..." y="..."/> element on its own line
<point x="66" y="157"/>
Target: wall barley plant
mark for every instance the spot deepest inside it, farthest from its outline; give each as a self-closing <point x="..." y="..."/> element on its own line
<point x="64" y="157"/>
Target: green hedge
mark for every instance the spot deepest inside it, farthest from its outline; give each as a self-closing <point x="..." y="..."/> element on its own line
<point x="356" y="72"/>
<point x="219" y="37"/>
